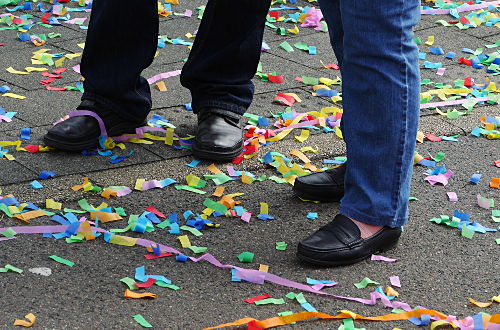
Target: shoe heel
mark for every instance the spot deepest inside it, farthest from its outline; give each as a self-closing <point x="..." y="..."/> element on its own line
<point x="390" y="246"/>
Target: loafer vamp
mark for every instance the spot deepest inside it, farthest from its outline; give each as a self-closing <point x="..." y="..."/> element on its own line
<point x="76" y="129"/>
<point x="341" y="241"/>
<point x="214" y="132"/>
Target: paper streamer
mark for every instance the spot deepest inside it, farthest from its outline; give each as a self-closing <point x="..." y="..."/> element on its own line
<point x="163" y="75"/>
<point x="459" y="9"/>
<point x="448" y="103"/>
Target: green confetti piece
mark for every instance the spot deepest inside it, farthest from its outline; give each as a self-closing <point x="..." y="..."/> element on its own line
<point x="398" y="310"/>
<point x="219" y="178"/>
<point x="302" y="46"/>
<point x="192" y="230"/>
<point x="120" y="211"/>
<point x="286" y="46"/>
<point x="286" y="314"/>
<point x="281" y="246"/>
<point x="291" y="295"/>
<point x="197" y="249"/>
<point x="215" y="206"/>
<point x="62" y="260"/>
<point x="348" y="324"/>
<point x="53" y="35"/>
<point x="495" y="215"/>
<point x="142" y="321"/>
<point x="121" y="230"/>
<point x="467" y="233"/>
<point x="3" y="270"/>
<point x="166" y="285"/>
<point x="411" y="199"/>
<point x="246" y="257"/>
<point x="270" y="301"/>
<point x="163" y="224"/>
<point x="439" y="157"/>
<point x="9" y="232"/>
<point x="417" y="40"/>
<point x="276" y="179"/>
<point x="13" y="269"/>
<point x="130" y="283"/>
<point x="5" y="210"/>
<point x="497" y="240"/>
<point x="496" y="44"/>
<point x="310" y="80"/>
<point x="191" y="189"/>
<point x="364" y="283"/>
<point x="74" y="211"/>
<point x="300" y="298"/>
<point x="74" y="239"/>
<point x="281" y="31"/>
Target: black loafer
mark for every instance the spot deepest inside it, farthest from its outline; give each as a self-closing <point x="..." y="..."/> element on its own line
<point x="82" y="132"/>
<point x="327" y="186"/>
<point x="339" y="243"/>
<point x="219" y="136"/>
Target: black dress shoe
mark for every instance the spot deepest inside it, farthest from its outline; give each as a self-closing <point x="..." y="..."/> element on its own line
<point x="82" y="132"/>
<point x="339" y="243"/>
<point x="219" y="136"/>
<point x="327" y="186"/>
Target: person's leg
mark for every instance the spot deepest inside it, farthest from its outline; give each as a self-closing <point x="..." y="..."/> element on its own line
<point x="381" y="89"/>
<point x="121" y="42"/>
<point x="218" y="73"/>
<point x="225" y="55"/>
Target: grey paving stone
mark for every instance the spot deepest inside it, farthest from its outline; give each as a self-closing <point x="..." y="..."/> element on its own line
<point x="14" y="172"/>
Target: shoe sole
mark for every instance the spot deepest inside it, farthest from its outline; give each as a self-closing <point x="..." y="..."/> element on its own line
<point x="75" y="147"/>
<point x="215" y="156"/>
<point x="344" y="262"/>
<point x="313" y="197"/>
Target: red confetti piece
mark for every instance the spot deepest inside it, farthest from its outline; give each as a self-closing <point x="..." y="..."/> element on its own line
<point x="497" y="163"/>
<point x="433" y="138"/>
<point x="276" y="79"/>
<point x="146" y="284"/>
<point x="154" y="256"/>
<point x="152" y="209"/>
<point x="257" y="298"/>
<point x="32" y="148"/>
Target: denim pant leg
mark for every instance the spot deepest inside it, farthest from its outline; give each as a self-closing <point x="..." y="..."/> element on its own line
<point x="121" y="42"/>
<point x="381" y="87"/>
<point x="225" y="55"/>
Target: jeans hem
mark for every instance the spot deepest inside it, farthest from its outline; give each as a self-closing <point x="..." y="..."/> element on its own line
<point x="111" y="106"/>
<point x="374" y="221"/>
<point x="234" y="108"/>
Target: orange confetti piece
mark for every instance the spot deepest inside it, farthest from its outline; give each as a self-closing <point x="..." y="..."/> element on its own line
<point x="80" y="186"/>
<point x="107" y="193"/>
<point x="300" y="155"/>
<point x="161" y="86"/>
<point x="104" y="216"/>
<point x="495" y="183"/>
<point x="245" y="178"/>
<point x="23" y="323"/>
<point x="263" y="268"/>
<point x="29" y="215"/>
<point x="282" y="320"/>
<point x="135" y="295"/>
<point x="391" y="292"/>
<point x="214" y="169"/>
<point x="219" y="191"/>
<point x="480" y="304"/>
<point x="87" y="231"/>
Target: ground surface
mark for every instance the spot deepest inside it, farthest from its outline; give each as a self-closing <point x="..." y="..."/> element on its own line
<point x="438" y="268"/>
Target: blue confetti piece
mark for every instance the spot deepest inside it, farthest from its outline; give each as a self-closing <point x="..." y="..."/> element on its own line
<point x="462" y="216"/>
<point x="475" y="178"/>
<point x="36" y="185"/>
<point x="4" y="89"/>
<point x="263" y="121"/>
<point x="234" y="278"/>
<point x="428" y="163"/>
<point x="46" y="175"/>
<point x="188" y="107"/>
<point x="181" y="258"/>
<point x="436" y="51"/>
<point x="450" y="55"/>
<point x="431" y="65"/>
<point x="194" y="163"/>
<point x="172" y="218"/>
<point x="308" y="307"/>
<point x="312" y="50"/>
<point x="25" y="133"/>
<point x="312" y="215"/>
<point x="265" y="217"/>
<point x="174" y="229"/>
<point x="422" y="56"/>
<point x="326" y="92"/>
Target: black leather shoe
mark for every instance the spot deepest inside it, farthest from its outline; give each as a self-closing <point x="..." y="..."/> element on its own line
<point x="82" y="132"/>
<point x="219" y="136"/>
<point x="339" y="243"/>
<point x="327" y="186"/>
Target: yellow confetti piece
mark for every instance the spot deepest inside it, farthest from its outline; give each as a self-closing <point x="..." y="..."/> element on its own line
<point x="219" y="191"/>
<point x="304" y="135"/>
<point x="33" y="69"/>
<point x="14" y="71"/>
<point x="161" y="86"/>
<point x="417" y="158"/>
<point x="263" y="268"/>
<point x="192" y="180"/>
<point x="420" y="136"/>
<point x="23" y="323"/>
<point x="310" y="167"/>
<point x="245" y="178"/>
<point x="82" y="45"/>
<point x="29" y="215"/>
<point x="52" y="204"/>
<point x="300" y="155"/>
<point x="430" y="41"/>
<point x="281" y="135"/>
<point x="169" y="137"/>
<point x="214" y="169"/>
<point x="295" y="30"/>
<point x="309" y="149"/>
<point x="338" y="132"/>
<point x="295" y="96"/>
<point x="391" y="292"/>
<point x="9" y="157"/>
<point x="107" y="193"/>
<point x="264" y="208"/>
<point x="439" y="323"/>
<point x="138" y="184"/>
<point x="58" y="63"/>
<point x="123" y="240"/>
<point x="14" y="96"/>
<point x="184" y="240"/>
<point x="72" y="56"/>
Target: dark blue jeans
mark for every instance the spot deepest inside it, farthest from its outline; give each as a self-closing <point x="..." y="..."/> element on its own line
<point x="122" y="40"/>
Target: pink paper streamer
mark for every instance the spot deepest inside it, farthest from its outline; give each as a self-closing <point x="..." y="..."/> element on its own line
<point x="395" y="281"/>
<point x="452" y="196"/>
<point x="5" y="119"/>
<point x="382" y="258"/>
<point x="320" y="286"/>
<point x="123" y="192"/>
<point x="91" y="114"/>
<point x="246" y="216"/>
<point x="447" y="103"/>
<point x="188" y="13"/>
<point x="163" y="75"/>
<point x="439" y="178"/>
<point x="440" y="71"/>
<point x="76" y="68"/>
<point x="7" y="238"/>
<point x="483" y="203"/>
<point x="78" y="20"/>
<point x="459" y="9"/>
